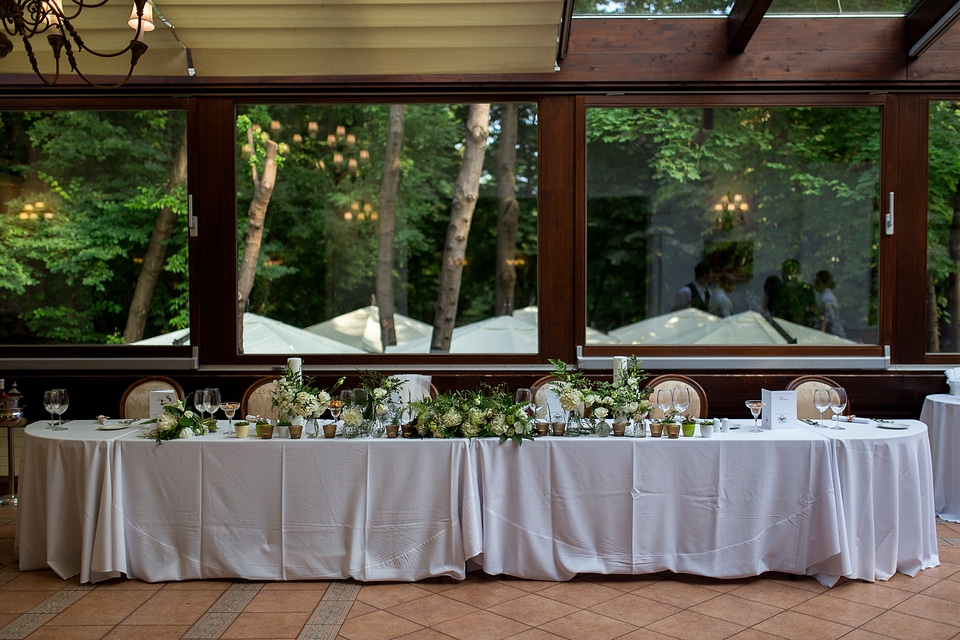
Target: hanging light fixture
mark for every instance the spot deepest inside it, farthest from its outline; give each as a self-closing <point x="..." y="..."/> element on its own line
<point x="28" y="18"/>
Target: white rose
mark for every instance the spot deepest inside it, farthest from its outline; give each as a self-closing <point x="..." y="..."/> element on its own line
<point x="600" y="413"/>
<point x="379" y="393"/>
<point x="186" y="433"/>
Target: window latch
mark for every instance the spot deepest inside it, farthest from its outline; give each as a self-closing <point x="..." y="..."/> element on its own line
<point x="192" y="219"/>
<point x="888" y="219"/>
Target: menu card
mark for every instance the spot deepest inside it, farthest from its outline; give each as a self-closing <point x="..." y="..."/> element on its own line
<point x="159" y="398"/>
<point x="779" y="410"/>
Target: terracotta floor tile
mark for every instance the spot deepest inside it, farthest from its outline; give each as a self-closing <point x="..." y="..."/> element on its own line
<point x="83" y="632"/>
<point x="534" y="634"/>
<point x="530" y="586"/>
<point x="840" y="610"/>
<point x="678" y="594"/>
<point x="36" y="580"/>
<point x="690" y="625"/>
<point x="945" y="570"/>
<point x="579" y="594"/>
<point x="199" y="585"/>
<point x="624" y="583"/>
<point x="775" y="594"/>
<point x="753" y="634"/>
<point x="736" y="610"/>
<point x="715" y="584"/>
<point x="645" y="634"/>
<point x="173" y="606"/>
<point x="432" y="610"/>
<point x="426" y="634"/>
<point x="284" y="601"/>
<point x="918" y="583"/>
<point x="383" y="596"/>
<point x="950" y="554"/>
<point x="634" y="609"/>
<point x="872" y="593"/>
<point x="533" y="609"/>
<point x="379" y="625"/>
<point x="142" y="632"/>
<point x="799" y="626"/>
<point x="23" y="601"/>
<point x="577" y="624"/>
<point x="264" y="626"/>
<point x="906" y="627"/>
<point x="101" y="607"/>
<point x="439" y="585"/>
<point x="123" y="584"/>
<point x="318" y="586"/>
<point x="863" y="634"/>
<point x="935" y="609"/>
<point x="360" y="609"/>
<point x="484" y="594"/>
<point x="945" y="590"/>
<point x="481" y="625"/>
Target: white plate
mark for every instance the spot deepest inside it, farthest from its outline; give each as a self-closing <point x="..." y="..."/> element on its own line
<point x="112" y="427"/>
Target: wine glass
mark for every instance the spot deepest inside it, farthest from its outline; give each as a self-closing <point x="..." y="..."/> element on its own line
<point x="838" y="402"/>
<point x="63" y="401"/>
<point x="681" y="399"/>
<point x="821" y="400"/>
<point x="346" y="400"/>
<point x="50" y="401"/>
<point x="230" y="408"/>
<point x="211" y="402"/>
<point x="755" y="407"/>
<point x="665" y="401"/>
<point x="522" y="397"/>
<point x="199" y="403"/>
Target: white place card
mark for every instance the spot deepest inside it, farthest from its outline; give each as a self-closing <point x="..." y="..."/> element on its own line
<point x="159" y="398"/>
<point x="779" y="410"/>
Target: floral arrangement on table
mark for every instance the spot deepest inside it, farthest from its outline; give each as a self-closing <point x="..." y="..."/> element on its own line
<point x="589" y="402"/>
<point x="177" y="421"/>
<point x="486" y="412"/>
<point x="382" y="393"/>
<point x="296" y="397"/>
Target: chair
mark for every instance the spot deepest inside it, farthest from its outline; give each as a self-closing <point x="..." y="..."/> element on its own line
<point x="135" y="402"/>
<point x="805" y="386"/>
<point x="258" y="399"/>
<point x="698" y="397"/>
<point x="542" y="394"/>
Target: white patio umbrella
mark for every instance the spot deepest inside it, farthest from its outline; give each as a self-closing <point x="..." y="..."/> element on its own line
<point x="266" y="335"/>
<point x="750" y="327"/>
<point x="360" y="329"/>
<point x="684" y="326"/>
<point x="499" y="334"/>
<point x="531" y="314"/>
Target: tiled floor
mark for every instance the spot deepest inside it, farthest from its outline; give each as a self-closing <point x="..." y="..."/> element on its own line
<point x="39" y="605"/>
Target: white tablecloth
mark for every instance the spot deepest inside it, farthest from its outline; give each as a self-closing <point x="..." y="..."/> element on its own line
<point x="856" y="503"/>
<point x="941" y="414"/>
<point x="734" y="505"/>
<point x="216" y="507"/>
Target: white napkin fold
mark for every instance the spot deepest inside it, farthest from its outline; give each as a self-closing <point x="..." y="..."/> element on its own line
<point x="854" y="419"/>
<point x="953" y="374"/>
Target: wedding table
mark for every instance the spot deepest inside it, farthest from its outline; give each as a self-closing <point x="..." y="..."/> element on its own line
<point x="856" y="503"/>
<point x="217" y="507"/>
<point x="941" y="414"/>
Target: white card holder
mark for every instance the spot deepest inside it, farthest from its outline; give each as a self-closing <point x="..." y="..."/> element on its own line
<point x="159" y="398"/>
<point x="779" y="410"/>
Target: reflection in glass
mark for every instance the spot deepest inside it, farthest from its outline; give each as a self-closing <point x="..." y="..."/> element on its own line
<point x="734" y="225"/>
<point x="943" y="184"/>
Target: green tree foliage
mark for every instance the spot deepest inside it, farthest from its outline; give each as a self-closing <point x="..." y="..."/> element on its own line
<point x="65" y="277"/>
<point x="943" y="183"/>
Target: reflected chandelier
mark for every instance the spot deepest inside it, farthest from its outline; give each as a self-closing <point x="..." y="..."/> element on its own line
<point x="29" y="18"/>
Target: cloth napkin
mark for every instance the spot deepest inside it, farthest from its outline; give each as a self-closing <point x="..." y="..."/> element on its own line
<point x="953" y="374"/>
<point x="854" y="419"/>
<point x="415" y="387"/>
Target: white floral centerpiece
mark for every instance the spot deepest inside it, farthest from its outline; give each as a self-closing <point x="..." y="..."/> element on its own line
<point x="177" y="421"/>
<point x="487" y="412"/>
<point x="588" y="403"/>
<point x="295" y="397"/>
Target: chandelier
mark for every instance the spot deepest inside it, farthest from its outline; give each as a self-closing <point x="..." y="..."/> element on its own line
<point x="28" y="18"/>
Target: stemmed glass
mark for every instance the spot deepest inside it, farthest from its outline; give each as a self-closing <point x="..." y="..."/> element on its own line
<point x="346" y="401"/>
<point x="665" y="401"/>
<point x="50" y="401"/>
<point x="821" y="400"/>
<point x="681" y="399"/>
<point x="199" y="402"/>
<point x="838" y="402"/>
<point x="522" y="397"/>
<point x="230" y="408"/>
<point x="755" y="407"/>
<point x="211" y="402"/>
<point x="63" y="401"/>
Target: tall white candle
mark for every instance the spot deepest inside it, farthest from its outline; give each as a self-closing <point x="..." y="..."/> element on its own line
<point x="295" y="364"/>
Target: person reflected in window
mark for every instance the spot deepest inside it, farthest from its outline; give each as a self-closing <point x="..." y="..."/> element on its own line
<point x="720" y="303"/>
<point x="695" y="294"/>
<point x="828" y="308"/>
<point x="795" y="300"/>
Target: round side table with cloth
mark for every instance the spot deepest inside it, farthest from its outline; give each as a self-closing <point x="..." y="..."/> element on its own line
<point x="941" y="414"/>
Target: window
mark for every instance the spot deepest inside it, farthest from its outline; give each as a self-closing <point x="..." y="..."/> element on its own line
<point x="93" y="234"/>
<point x="344" y="240"/>
<point x="943" y="228"/>
<point x="732" y="226"/>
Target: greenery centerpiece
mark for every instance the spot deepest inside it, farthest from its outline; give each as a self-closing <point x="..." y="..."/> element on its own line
<point x="177" y="421"/>
<point x="589" y="403"/>
<point x="383" y="404"/>
<point x="296" y="398"/>
<point x="485" y="412"/>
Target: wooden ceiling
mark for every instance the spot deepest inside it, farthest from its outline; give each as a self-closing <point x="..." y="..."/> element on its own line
<point x="290" y="38"/>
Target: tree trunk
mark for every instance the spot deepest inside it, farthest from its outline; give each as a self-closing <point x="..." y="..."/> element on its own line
<point x="933" y="320"/>
<point x="263" y="189"/>
<point x="953" y="289"/>
<point x="388" y="227"/>
<point x="465" y="192"/>
<point x="507" y="211"/>
<point x="156" y="254"/>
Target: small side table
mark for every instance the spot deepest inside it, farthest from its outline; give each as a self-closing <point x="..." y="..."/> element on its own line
<point x="10" y="499"/>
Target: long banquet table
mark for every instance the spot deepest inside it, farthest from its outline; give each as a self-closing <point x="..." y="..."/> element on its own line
<point x="856" y="503"/>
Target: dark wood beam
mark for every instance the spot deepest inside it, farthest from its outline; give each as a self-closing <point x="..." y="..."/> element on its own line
<point x="745" y="17"/>
<point x="563" y="34"/>
<point x="926" y="21"/>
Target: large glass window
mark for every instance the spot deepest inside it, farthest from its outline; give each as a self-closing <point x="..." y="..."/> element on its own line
<point x="388" y="229"/>
<point x="723" y="7"/>
<point x="943" y="228"/>
<point x="733" y="226"/>
<point x="93" y="233"/>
